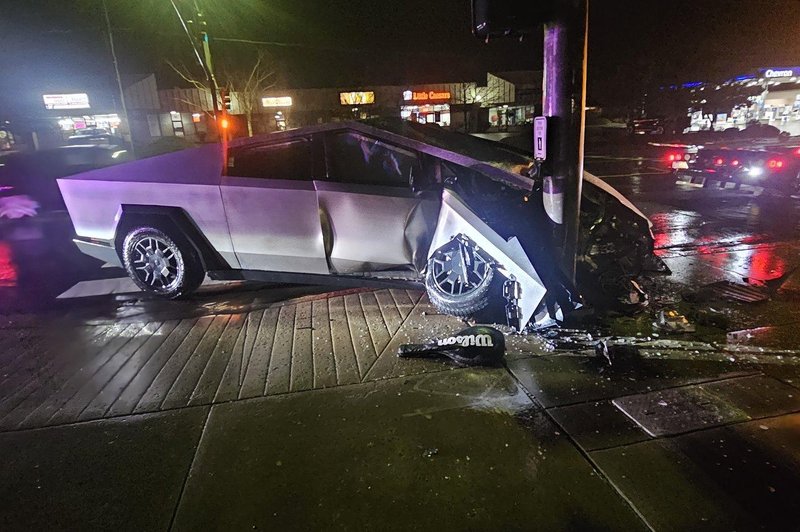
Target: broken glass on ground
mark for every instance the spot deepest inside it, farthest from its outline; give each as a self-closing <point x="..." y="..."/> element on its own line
<point x="673" y="322"/>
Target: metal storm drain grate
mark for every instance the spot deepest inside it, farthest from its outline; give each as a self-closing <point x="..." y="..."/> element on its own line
<point x="738" y="292"/>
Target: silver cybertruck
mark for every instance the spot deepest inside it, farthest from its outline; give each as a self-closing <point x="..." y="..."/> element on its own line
<point x="381" y="202"/>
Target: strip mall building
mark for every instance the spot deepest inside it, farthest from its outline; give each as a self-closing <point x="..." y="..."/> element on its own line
<point x="506" y="99"/>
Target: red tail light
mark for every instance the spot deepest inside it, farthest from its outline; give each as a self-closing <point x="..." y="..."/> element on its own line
<point x="775" y="164"/>
<point x="797" y="152"/>
<point x="735" y="162"/>
<point x="719" y="161"/>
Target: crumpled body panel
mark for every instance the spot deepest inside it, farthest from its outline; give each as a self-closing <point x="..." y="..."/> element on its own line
<point x="455" y="218"/>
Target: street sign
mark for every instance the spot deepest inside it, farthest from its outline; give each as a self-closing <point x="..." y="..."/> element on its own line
<point x="540" y="138"/>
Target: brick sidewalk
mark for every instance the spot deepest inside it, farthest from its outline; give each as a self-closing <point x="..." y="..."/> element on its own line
<point x="98" y="371"/>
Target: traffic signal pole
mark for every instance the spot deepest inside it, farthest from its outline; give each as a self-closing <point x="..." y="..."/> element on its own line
<point x="564" y="103"/>
<point x="204" y="60"/>
<point x="212" y="79"/>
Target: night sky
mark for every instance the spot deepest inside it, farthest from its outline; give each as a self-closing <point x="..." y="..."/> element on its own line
<point x="61" y="45"/>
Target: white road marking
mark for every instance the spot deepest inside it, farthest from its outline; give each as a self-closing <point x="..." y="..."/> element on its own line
<point x="632" y="174"/>
<point x="121" y="285"/>
<point x="100" y="287"/>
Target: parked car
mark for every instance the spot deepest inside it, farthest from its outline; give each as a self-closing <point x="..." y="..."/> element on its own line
<point x="33" y="174"/>
<point x="99" y="136"/>
<point x="380" y="202"/>
<point x="646" y="126"/>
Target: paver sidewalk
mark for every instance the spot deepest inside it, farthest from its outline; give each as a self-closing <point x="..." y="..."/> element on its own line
<point x="299" y="415"/>
<point x="51" y="377"/>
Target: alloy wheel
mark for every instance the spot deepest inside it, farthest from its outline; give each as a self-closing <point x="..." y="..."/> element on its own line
<point x="156" y="262"/>
<point x="459" y="269"/>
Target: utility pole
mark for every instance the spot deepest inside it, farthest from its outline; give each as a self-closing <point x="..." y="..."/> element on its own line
<point x="564" y="103"/>
<point x="214" y="85"/>
<point x="204" y="60"/>
<point x="119" y="78"/>
<point x="559" y="134"/>
<point x="209" y="64"/>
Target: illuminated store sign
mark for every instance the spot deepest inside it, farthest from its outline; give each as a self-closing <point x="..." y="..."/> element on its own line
<point x="425" y="96"/>
<point x="66" y="101"/>
<point x="277" y="101"/>
<point x="356" y="98"/>
<point x="780" y="72"/>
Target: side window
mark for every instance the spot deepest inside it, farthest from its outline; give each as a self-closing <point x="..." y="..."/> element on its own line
<point x="76" y="158"/>
<point x="289" y="160"/>
<point x="355" y="158"/>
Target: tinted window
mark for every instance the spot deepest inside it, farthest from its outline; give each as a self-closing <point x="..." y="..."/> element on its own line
<point x="354" y="158"/>
<point x="78" y="157"/>
<point x="289" y="160"/>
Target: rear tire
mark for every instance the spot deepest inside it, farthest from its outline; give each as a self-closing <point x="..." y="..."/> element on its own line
<point x="458" y="278"/>
<point x="163" y="263"/>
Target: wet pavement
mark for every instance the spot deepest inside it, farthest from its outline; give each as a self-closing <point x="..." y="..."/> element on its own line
<point x="284" y="407"/>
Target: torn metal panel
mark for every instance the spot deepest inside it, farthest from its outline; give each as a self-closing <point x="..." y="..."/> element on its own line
<point x="455" y="218"/>
<point x="372" y="230"/>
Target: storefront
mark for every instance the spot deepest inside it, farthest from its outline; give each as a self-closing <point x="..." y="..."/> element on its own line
<point x="73" y="114"/>
<point x="71" y="125"/>
<point x="515" y="115"/>
<point x="426" y="106"/>
<point x="780" y="101"/>
<point x="776" y="102"/>
<point x="359" y="103"/>
<point x="280" y="108"/>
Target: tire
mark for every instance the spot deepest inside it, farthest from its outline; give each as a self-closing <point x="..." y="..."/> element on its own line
<point x="444" y="280"/>
<point x="162" y="263"/>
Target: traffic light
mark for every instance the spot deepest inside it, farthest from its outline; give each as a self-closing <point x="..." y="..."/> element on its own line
<point x="510" y="18"/>
<point x="226" y="102"/>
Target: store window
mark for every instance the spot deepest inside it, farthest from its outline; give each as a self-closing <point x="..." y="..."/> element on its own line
<point x="357" y="159"/>
<point x="153" y="125"/>
<point x="288" y="160"/>
<point x="177" y="124"/>
<point x="427" y="114"/>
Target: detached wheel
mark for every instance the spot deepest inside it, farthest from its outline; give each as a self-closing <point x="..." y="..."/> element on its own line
<point x="161" y="264"/>
<point x="458" y="279"/>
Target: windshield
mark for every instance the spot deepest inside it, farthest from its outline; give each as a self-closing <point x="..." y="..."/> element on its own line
<point x="477" y="148"/>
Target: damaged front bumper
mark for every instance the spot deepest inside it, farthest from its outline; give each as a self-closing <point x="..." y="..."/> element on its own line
<point x="523" y="288"/>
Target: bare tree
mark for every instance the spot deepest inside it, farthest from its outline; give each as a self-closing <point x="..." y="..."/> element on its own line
<point x="470" y="95"/>
<point x="247" y="86"/>
<point x="201" y="104"/>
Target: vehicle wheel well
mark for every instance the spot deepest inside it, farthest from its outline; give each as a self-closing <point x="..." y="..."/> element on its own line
<point x="172" y="219"/>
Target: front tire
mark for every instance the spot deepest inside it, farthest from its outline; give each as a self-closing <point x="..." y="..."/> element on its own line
<point x="162" y="264"/>
<point x="458" y="278"/>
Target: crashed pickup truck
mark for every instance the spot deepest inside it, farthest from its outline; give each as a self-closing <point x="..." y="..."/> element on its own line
<point x="380" y="202"/>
